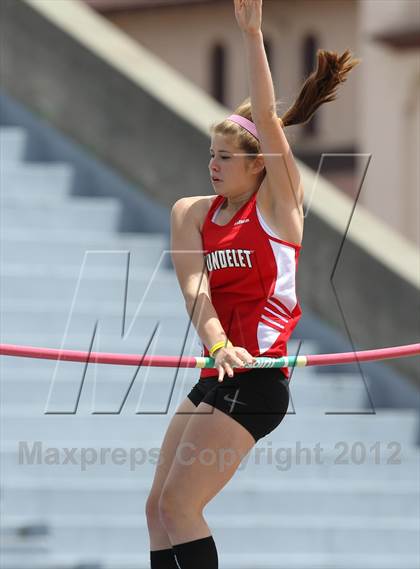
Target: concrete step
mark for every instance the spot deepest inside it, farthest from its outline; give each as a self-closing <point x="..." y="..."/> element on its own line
<point x="15" y="286"/>
<point x="339" y="392"/>
<point x="138" y="331"/>
<point x="97" y="274"/>
<point x="88" y="253"/>
<point x="82" y="306"/>
<point x="29" y="423"/>
<point x="152" y="388"/>
<point x="131" y="343"/>
<point x="248" y="534"/>
<point x="308" y="560"/>
<point x="36" y="371"/>
<point x="300" y="497"/>
<point x="12" y="144"/>
<point x="29" y="183"/>
<point x="114" y="301"/>
<point x="34" y="322"/>
<point x="25" y="546"/>
<point x="101" y="214"/>
<point x="22" y="541"/>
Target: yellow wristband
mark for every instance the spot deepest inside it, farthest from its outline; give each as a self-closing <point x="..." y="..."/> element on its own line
<point x="218" y="345"/>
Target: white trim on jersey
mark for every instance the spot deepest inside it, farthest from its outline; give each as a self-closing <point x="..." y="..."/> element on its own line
<point x="284" y="292"/>
<point x="264" y="224"/>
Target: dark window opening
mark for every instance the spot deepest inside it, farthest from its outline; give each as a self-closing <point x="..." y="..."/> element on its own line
<point x="269" y="51"/>
<point x="218" y="73"/>
<point x="310" y="47"/>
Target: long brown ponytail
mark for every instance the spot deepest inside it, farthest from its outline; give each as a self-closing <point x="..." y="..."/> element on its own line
<point x="319" y="88"/>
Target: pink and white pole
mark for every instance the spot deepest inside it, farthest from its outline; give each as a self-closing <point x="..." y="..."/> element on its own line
<point x="409" y="350"/>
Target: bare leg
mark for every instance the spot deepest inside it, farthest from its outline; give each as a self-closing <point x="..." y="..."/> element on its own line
<point x="158" y="536"/>
<point x="210" y="451"/>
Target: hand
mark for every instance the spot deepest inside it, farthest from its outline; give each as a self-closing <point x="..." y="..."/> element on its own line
<point x="227" y="358"/>
<point x="249" y="15"/>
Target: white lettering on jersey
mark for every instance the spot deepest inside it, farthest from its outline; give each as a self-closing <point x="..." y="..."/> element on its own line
<point x="228" y="258"/>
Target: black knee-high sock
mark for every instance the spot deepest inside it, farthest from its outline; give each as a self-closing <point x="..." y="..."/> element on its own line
<point x="163" y="559"/>
<point x="200" y="553"/>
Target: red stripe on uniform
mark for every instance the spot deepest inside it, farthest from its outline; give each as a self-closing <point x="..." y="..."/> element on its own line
<point x="271" y="324"/>
<point x="271" y="312"/>
<point x="280" y="305"/>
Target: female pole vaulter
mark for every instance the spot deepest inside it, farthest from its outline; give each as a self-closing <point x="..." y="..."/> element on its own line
<point x="238" y="281"/>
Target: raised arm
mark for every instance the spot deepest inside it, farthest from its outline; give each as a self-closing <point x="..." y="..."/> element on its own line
<point x="283" y="183"/>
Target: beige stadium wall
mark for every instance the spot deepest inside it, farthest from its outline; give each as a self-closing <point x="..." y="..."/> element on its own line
<point x="390" y="117"/>
<point x="285" y="24"/>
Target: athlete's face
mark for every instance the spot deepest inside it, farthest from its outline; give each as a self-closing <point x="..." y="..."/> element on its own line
<point x="229" y="168"/>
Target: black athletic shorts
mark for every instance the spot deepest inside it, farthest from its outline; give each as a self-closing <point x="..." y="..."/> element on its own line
<point x="258" y="399"/>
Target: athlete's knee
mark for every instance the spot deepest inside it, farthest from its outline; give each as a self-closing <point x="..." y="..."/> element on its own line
<point x="152" y="509"/>
<point x="168" y="507"/>
<point x="173" y="508"/>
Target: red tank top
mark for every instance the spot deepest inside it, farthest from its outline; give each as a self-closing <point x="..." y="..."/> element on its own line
<point x="252" y="276"/>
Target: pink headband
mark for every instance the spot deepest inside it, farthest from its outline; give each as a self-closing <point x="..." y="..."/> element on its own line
<point x="246" y="124"/>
